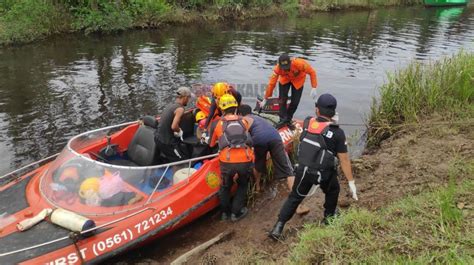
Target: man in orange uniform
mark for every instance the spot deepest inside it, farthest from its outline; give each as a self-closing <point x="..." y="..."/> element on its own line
<point x="290" y="72"/>
<point x="235" y="156"/>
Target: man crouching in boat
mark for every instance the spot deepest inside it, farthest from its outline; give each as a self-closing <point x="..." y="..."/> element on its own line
<point x="169" y="136"/>
<point x="235" y="156"/>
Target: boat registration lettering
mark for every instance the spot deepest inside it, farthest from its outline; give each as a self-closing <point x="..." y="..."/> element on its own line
<point x="153" y="220"/>
<point x="111" y="241"/>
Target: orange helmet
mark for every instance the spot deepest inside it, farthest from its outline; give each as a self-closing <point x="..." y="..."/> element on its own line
<point x="219" y="89"/>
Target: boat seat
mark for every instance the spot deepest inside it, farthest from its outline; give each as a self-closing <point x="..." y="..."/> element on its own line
<point x="142" y="149"/>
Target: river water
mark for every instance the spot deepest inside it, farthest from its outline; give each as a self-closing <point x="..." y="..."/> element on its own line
<point x="54" y="89"/>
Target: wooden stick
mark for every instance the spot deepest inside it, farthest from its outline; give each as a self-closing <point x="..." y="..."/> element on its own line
<point x="183" y="258"/>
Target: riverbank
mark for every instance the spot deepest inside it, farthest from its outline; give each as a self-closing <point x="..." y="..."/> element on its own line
<point x="422" y="138"/>
<point x="29" y="20"/>
<point x="415" y="200"/>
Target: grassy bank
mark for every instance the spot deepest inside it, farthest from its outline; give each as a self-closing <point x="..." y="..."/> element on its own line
<point x="27" y="20"/>
<point x="436" y="225"/>
<point x="444" y="88"/>
<point x="433" y="227"/>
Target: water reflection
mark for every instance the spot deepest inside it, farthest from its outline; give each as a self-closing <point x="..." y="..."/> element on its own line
<point x="52" y="90"/>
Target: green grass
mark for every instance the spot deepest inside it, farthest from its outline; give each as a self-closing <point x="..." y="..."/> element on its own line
<point x="427" y="228"/>
<point x="27" y="20"/>
<point x="344" y="4"/>
<point x="411" y="95"/>
<point x="24" y="21"/>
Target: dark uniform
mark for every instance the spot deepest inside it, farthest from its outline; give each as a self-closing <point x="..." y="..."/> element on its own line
<point x="170" y="146"/>
<point x="267" y="139"/>
<point x="336" y="143"/>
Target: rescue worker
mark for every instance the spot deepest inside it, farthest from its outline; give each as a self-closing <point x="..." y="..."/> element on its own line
<point x="200" y="120"/>
<point x="235" y="157"/>
<point x="320" y="143"/>
<point x="169" y="136"/>
<point x="290" y="73"/>
<point x="267" y="139"/>
<point x="218" y="90"/>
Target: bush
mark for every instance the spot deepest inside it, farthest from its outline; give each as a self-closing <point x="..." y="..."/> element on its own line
<point x="27" y="20"/>
<point x="148" y="12"/>
<point x="107" y="17"/>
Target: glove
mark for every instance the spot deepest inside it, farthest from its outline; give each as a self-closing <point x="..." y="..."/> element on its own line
<point x="353" y="189"/>
<point x="313" y="94"/>
<point x="179" y="134"/>
<point x="204" y="138"/>
<point x="263" y="103"/>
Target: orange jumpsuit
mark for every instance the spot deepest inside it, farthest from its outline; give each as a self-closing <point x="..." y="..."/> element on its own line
<point x="297" y="76"/>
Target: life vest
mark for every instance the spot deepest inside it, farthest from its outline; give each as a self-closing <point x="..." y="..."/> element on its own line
<point x="312" y="149"/>
<point x="235" y="134"/>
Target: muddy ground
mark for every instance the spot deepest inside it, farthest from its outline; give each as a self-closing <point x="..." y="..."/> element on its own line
<point x="411" y="161"/>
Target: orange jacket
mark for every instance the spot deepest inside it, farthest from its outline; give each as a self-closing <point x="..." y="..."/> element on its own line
<point x="236" y="155"/>
<point x="297" y="76"/>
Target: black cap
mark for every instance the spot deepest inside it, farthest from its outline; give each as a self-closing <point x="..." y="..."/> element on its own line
<point x="327" y="104"/>
<point x="284" y="61"/>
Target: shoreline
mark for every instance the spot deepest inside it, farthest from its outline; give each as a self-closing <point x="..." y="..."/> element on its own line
<point x="47" y="20"/>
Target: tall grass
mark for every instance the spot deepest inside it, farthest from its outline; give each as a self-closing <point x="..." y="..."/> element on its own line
<point x="427" y="228"/>
<point x="413" y="94"/>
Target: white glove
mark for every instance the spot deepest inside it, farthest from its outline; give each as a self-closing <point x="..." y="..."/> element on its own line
<point x="179" y="134"/>
<point x="352" y="186"/>
<point x="313" y="94"/>
<point x="204" y="138"/>
<point x="263" y="102"/>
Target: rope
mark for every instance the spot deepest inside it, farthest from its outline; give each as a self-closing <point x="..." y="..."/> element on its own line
<point x="467" y="122"/>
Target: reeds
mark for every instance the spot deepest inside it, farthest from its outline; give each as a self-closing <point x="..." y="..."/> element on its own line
<point x="412" y="95"/>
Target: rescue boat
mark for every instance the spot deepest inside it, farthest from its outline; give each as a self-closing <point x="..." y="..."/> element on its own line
<point x="431" y="3"/>
<point x="105" y="193"/>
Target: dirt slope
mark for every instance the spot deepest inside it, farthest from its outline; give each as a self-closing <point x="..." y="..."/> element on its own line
<point x="411" y="161"/>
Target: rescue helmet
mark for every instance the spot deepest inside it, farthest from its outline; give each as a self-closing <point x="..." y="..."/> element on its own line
<point x="200" y="115"/>
<point x="227" y="101"/>
<point x="219" y="89"/>
<point x="89" y="184"/>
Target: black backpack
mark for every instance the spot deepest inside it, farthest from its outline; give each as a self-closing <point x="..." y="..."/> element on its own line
<point x="312" y="149"/>
<point x="235" y="134"/>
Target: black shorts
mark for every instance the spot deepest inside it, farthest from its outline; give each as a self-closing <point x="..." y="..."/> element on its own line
<point x="282" y="167"/>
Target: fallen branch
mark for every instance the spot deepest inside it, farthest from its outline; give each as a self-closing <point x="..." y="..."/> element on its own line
<point x="183" y="258"/>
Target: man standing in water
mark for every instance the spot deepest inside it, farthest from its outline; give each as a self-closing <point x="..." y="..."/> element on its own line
<point x="291" y="73"/>
<point x="169" y="136"/>
<point x="320" y="143"/>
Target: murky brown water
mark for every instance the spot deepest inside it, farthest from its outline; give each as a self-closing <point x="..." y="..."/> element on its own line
<point x="52" y="90"/>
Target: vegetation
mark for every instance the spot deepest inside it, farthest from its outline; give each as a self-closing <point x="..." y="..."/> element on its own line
<point x="432" y="227"/>
<point x="422" y="90"/>
<point x="27" y="20"/>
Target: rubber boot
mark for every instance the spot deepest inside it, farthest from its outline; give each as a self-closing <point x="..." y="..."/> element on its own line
<point x="243" y="213"/>
<point x="277" y="230"/>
